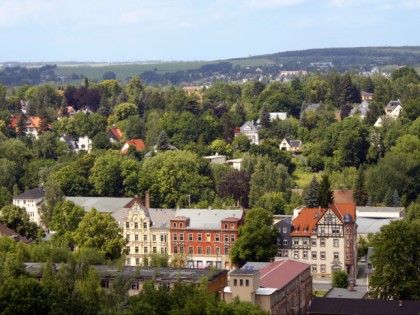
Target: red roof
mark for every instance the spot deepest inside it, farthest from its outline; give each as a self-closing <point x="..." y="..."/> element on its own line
<point x="13" y="121"/>
<point x="281" y="272"/>
<point x="116" y="132"/>
<point x="35" y="122"/>
<point x="308" y="218"/>
<point x="137" y="143"/>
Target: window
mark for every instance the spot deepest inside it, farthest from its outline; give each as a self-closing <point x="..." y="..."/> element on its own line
<point x="175" y="237"/>
<point x="336" y="242"/>
<point x="190" y="250"/>
<point x="247" y="282"/>
<point x="162" y="238"/>
<point x="322" y="230"/>
<point x="208" y="250"/>
<point x="232" y="238"/>
<point x="217" y="238"/>
<point x="199" y="250"/>
<point x="145" y="237"/>
<point x="305" y="241"/>
<point x="217" y="250"/>
<point x="154" y="237"/>
<point x="181" y="236"/>
<point x="190" y="237"/>
<point x="323" y="256"/>
<point x="175" y="249"/>
<point x="208" y="237"/>
<point x="278" y="241"/>
<point x="235" y="282"/>
<point x="336" y="230"/>
<point x="232" y="227"/>
<point x="336" y="256"/>
<point x="305" y="255"/>
<point x="225" y="226"/>
<point x="181" y="225"/>
<point x="323" y="269"/>
<point x="313" y="255"/>
<point x="296" y="241"/>
<point x="314" y="268"/>
<point x="174" y="225"/>
<point x="134" y="285"/>
<point x="127" y="237"/>
<point x="199" y="237"/>
<point x="285" y="242"/>
<point x="241" y="282"/>
<point x="313" y="241"/>
<point x="181" y="249"/>
<point x="145" y="249"/>
<point x="144" y="225"/>
<point x="284" y="230"/>
<point x="154" y="250"/>
<point x="226" y="236"/>
<point x="322" y="242"/>
<point x="136" y="237"/>
<point x="137" y="261"/>
<point x="127" y="249"/>
<point x="136" y="249"/>
<point x="285" y="253"/>
<point x="162" y="250"/>
<point x="296" y="254"/>
<point x="226" y="250"/>
<point x="136" y="225"/>
<point x="127" y="225"/>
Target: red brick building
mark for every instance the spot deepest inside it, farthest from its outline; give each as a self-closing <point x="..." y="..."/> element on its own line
<point x="202" y="238"/>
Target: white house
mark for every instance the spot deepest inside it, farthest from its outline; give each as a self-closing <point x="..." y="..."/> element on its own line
<point x="250" y="131"/>
<point x="290" y="145"/>
<point x="235" y="163"/>
<point x="31" y="201"/>
<point x="275" y="116"/>
<point x="393" y="109"/>
<point x="216" y="159"/>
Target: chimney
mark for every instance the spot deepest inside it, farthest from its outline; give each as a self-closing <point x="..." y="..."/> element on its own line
<point x="147" y="201"/>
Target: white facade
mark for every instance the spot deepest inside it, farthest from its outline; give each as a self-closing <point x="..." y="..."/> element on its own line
<point x="32" y="207"/>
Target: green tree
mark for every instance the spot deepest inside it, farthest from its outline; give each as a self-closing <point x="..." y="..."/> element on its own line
<point x="101" y="231"/>
<point x="413" y="212"/>
<point x="17" y="219"/>
<point x="360" y="195"/>
<point x="310" y="194"/>
<point x="124" y="110"/>
<point x="53" y="195"/>
<point x="265" y="117"/>
<point x="5" y="197"/>
<point x="325" y="194"/>
<point x="396" y="261"/>
<point x="162" y="142"/>
<point x="339" y="279"/>
<point x="257" y="238"/>
<point x="65" y="220"/>
<point x="106" y="175"/>
<point x="273" y="202"/>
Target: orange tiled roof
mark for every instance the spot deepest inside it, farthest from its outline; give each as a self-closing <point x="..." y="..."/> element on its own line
<point x="306" y="221"/>
<point x="116" y="132"/>
<point x="137" y="143"/>
<point x="13" y="121"/>
<point x="35" y="122"/>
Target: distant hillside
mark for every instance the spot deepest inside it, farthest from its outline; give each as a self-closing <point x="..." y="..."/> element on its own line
<point x="206" y="72"/>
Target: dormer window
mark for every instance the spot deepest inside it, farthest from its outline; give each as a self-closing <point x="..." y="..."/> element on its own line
<point x="144" y="225"/>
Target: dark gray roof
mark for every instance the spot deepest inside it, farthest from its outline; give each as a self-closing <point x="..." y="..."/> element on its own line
<point x="363" y="307"/>
<point x="345" y="293"/>
<point x="34" y="193"/>
<point x="244" y="272"/>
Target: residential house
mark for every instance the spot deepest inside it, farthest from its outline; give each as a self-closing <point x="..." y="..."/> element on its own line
<point x="32" y="125"/>
<point x="393" y="109"/>
<point x="348" y="306"/>
<point x="325" y="238"/>
<point x="284" y="239"/>
<point x="146" y="230"/>
<point x="360" y="109"/>
<point x="281" y="287"/>
<point x="69" y="112"/>
<point x="293" y="73"/>
<point x="290" y="145"/>
<point x="250" y="131"/>
<point x="103" y="204"/>
<point x="31" y="200"/>
<point x="138" y="144"/>
<point x="380" y="212"/>
<point x="216" y="159"/>
<point x="366" y="226"/>
<point x="366" y="96"/>
<point x="203" y="237"/>
<point x="235" y="163"/>
<point x="275" y="116"/>
<point x="115" y="134"/>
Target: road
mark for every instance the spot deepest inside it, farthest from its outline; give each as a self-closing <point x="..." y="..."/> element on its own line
<point x="324" y="284"/>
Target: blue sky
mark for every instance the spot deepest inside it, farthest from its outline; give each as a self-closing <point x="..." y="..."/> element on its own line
<point x="139" y="30"/>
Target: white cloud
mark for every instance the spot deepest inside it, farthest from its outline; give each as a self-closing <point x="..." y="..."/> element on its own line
<point x="16" y="12"/>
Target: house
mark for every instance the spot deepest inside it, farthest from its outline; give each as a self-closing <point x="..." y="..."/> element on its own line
<point x="393" y="109"/>
<point x="275" y="116"/>
<point x="115" y="134"/>
<point x="380" y="212"/>
<point x="235" y="163"/>
<point x="5" y="231"/>
<point x="169" y="277"/>
<point x="138" y="144"/>
<point x="204" y="237"/>
<point x="146" y="231"/>
<point x="326" y="306"/>
<point x="290" y="145"/>
<point x="366" y="226"/>
<point x="366" y="96"/>
<point x="325" y="238"/>
<point x="216" y="159"/>
<point x="281" y="287"/>
<point x="250" y="131"/>
<point x="360" y="109"/>
<point x="284" y="239"/>
<point x="82" y="144"/>
<point x="70" y="112"/>
<point x="102" y="204"/>
<point x="294" y="73"/>
<point x="31" y="200"/>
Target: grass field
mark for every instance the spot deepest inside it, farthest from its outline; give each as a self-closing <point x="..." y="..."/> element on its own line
<point x="95" y="71"/>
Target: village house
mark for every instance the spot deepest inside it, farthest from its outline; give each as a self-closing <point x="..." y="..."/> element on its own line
<point x="290" y="145"/>
<point x="250" y="130"/>
<point x="138" y="144"/>
<point x="31" y="200"/>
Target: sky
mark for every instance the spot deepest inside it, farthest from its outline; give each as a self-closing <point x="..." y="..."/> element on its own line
<point x="187" y="30"/>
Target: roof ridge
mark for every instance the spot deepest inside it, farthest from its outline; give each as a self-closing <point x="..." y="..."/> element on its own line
<point x="274" y="268"/>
